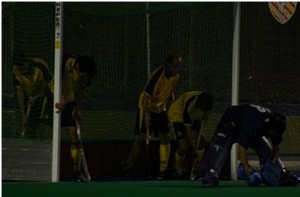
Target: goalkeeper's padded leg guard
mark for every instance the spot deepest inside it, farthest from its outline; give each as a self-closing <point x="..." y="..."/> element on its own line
<point x="211" y="178"/>
<point x="221" y="144"/>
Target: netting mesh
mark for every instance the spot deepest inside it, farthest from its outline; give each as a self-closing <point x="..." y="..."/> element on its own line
<point x="29" y="33"/>
<point x="269" y="67"/>
<point x="115" y="35"/>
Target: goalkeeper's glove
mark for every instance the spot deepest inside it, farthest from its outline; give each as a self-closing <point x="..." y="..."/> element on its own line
<point x="254" y="178"/>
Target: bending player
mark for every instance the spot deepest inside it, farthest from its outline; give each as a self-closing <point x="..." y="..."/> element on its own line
<point x="249" y="126"/>
<point x="152" y="113"/>
<point x="35" y="94"/>
<point x="187" y="115"/>
<point x="76" y="78"/>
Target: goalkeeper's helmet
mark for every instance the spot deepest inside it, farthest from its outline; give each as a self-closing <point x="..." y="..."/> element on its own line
<point x="276" y="127"/>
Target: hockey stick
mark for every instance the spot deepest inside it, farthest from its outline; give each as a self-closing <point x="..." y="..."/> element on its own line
<point x="193" y="176"/>
<point x="148" y="151"/>
<point x="86" y="173"/>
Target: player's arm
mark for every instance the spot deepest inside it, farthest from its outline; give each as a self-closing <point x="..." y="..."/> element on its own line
<point x="20" y="96"/>
<point x="243" y="157"/>
<point x="275" y="153"/>
<point x="191" y="138"/>
<point x="172" y="96"/>
<point x="147" y="117"/>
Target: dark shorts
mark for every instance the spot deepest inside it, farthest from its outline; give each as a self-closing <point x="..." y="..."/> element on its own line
<point x="179" y="128"/>
<point x="159" y="123"/>
<point x="66" y="115"/>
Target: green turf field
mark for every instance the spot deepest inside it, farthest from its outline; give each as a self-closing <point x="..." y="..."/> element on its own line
<point x="143" y="189"/>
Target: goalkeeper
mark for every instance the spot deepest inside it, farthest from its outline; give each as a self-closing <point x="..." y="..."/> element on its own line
<point x="249" y="126"/>
<point x="34" y="87"/>
<point x="152" y="113"/>
<point x="187" y="115"/>
<point x="77" y="74"/>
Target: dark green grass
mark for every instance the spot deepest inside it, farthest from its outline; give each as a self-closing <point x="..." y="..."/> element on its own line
<point x="143" y="189"/>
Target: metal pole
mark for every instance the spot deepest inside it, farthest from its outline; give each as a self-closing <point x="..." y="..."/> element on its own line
<point x="57" y="91"/>
<point x="235" y="77"/>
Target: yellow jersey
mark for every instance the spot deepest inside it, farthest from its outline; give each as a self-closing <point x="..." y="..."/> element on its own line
<point x="159" y="88"/>
<point x="35" y="84"/>
<point x="73" y="83"/>
<point x="183" y="109"/>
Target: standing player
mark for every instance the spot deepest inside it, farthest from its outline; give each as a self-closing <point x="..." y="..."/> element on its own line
<point x="35" y="94"/>
<point x="187" y="115"/>
<point x="249" y="126"/>
<point x="76" y="77"/>
<point x="152" y="113"/>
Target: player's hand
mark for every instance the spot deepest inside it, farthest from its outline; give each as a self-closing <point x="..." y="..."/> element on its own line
<point x="39" y="60"/>
<point x="60" y="106"/>
<point x="254" y="178"/>
<point x="147" y="119"/>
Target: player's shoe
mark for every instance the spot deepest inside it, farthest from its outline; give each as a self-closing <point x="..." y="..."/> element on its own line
<point x="162" y="175"/>
<point x="211" y="178"/>
<point x="241" y="173"/>
<point x="177" y="176"/>
<point x="126" y="169"/>
<point x="195" y="176"/>
<point x="79" y="177"/>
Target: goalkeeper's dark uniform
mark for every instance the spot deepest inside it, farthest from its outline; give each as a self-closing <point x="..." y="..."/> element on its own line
<point x="250" y="126"/>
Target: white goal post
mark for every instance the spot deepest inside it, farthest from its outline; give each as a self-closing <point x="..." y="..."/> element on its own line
<point x="57" y="91"/>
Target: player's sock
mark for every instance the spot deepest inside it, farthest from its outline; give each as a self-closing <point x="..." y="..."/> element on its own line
<point x="75" y="154"/>
<point x="178" y="162"/>
<point x="164" y="152"/>
<point x="134" y="153"/>
<point x="200" y="154"/>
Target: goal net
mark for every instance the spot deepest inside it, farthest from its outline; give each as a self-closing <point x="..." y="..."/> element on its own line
<point x="115" y="34"/>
